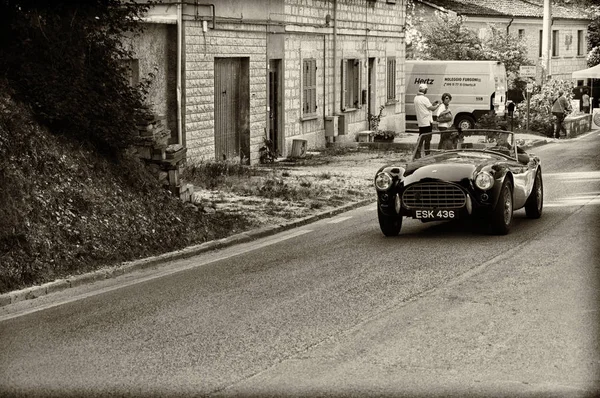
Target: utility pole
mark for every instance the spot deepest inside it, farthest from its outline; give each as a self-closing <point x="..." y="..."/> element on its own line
<point x="546" y="40"/>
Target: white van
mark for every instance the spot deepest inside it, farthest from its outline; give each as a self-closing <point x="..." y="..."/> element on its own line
<point x="476" y="87"/>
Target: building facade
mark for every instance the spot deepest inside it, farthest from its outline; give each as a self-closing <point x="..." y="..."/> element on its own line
<point x="229" y="74"/>
<point x="524" y="19"/>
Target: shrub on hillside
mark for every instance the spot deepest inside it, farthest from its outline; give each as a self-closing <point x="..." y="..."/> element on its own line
<point x="65" y="59"/>
<point x="65" y="209"/>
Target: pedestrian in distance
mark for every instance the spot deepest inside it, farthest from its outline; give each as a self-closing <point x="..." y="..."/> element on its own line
<point x="560" y="108"/>
<point x="444" y="122"/>
<point x="423" y="111"/>
<point x="585" y="102"/>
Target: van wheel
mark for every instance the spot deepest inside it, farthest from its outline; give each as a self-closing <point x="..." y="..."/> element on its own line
<point x="464" y="122"/>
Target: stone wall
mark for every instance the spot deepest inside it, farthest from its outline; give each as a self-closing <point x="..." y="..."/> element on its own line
<point x="303" y="29"/>
<point x="365" y="30"/>
<point x="577" y="125"/>
<point x="200" y="52"/>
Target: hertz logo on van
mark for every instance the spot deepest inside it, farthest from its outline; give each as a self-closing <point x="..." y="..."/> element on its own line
<point x="419" y="80"/>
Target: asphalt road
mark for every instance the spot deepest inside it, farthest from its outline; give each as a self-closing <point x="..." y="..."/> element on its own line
<point x="335" y="309"/>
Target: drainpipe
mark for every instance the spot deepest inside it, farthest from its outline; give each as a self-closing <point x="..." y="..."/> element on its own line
<point x="179" y="64"/>
<point x="508" y="26"/>
<point x="335" y="63"/>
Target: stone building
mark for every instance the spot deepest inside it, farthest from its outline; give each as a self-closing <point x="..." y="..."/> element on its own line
<point x="524" y="18"/>
<point x="228" y="74"/>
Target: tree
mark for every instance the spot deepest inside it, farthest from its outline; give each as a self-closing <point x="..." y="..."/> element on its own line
<point x="507" y="48"/>
<point x="66" y="59"/>
<point x="593" y="40"/>
<point x="447" y="38"/>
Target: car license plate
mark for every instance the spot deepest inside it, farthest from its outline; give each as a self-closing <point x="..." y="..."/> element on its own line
<point x="435" y="214"/>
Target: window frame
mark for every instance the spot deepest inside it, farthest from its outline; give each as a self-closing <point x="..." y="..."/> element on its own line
<point x="391" y="70"/>
<point x="351" y="84"/>
<point x="555" y="43"/>
<point x="309" y="88"/>
<point x="580" y="42"/>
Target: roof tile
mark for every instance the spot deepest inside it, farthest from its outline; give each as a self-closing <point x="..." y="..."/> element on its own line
<point x="510" y="8"/>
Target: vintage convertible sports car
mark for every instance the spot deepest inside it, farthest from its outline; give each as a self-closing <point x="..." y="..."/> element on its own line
<point x="461" y="173"/>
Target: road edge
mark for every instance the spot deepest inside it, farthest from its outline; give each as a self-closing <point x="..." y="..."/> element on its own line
<point x="58" y="285"/>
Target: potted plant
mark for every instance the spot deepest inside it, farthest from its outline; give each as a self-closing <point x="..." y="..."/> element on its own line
<point x="377" y="134"/>
<point x="383" y="135"/>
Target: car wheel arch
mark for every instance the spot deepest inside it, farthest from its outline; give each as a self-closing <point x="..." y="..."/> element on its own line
<point x="507" y="177"/>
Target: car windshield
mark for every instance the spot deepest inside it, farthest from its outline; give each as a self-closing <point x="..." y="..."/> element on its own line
<point x="491" y="141"/>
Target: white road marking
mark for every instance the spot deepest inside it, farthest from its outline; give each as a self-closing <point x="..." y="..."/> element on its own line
<point x="574" y="201"/>
<point x="191" y="264"/>
<point x="576" y="175"/>
<point x="339" y="220"/>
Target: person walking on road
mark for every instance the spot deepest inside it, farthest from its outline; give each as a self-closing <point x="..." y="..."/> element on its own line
<point x="423" y="110"/>
<point x="585" y="102"/>
<point x="560" y="108"/>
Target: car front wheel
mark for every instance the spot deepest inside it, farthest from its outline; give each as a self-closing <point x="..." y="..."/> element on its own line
<point x="502" y="214"/>
<point x="535" y="202"/>
<point x="390" y="224"/>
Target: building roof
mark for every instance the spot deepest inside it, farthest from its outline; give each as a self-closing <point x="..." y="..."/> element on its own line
<point x="509" y="8"/>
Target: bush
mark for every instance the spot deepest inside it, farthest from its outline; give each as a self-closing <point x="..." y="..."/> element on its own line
<point x="488" y="121"/>
<point x="66" y="60"/>
<point x="540" y="106"/>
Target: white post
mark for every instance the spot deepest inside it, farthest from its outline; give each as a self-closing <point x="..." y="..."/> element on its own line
<point x="546" y="36"/>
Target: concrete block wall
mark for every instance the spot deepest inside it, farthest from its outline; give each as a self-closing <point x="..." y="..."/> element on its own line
<point x="365" y="30"/>
<point x="201" y="48"/>
<point x="567" y="60"/>
<point x="299" y="47"/>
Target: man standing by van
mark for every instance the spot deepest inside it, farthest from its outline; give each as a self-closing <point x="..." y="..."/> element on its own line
<point x="423" y="111"/>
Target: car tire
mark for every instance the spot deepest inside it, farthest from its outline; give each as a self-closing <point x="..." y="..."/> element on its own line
<point x="502" y="214"/>
<point x="390" y="225"/>
<point x="464" y="122"/>
<point x="535" y="202"/>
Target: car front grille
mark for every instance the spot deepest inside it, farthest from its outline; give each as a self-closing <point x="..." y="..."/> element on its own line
<point x="433" y="195"/>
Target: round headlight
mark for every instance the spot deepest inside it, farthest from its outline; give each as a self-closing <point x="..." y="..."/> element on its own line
<point x="484" y="181"/>
<point x="383" y="181"/>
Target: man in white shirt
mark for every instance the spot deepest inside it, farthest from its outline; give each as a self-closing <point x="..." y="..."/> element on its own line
<point x="424" y="111"/>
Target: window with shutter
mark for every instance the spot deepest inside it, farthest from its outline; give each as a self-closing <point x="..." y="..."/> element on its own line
<point x="391" y="79"/>
<point x="309" y="87"/>
<point x="351" y="83"/>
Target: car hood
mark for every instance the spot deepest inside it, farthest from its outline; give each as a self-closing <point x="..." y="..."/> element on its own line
<point x="450" y="166"/>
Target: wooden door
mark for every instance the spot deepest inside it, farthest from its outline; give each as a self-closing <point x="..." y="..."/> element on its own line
<point x="227" y="108"/>
<point x="275" y="103"/>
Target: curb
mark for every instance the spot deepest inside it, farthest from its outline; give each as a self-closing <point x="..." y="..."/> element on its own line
<point x="34" y="292"/>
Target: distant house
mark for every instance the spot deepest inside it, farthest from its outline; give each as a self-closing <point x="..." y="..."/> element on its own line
<point x="523" y="18"/>
<point x="231" y="73"/>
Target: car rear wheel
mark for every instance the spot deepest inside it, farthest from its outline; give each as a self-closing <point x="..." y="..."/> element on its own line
<point x="502" y="215"/>
<point x="390" y="225"/>
<point x="535" y="202"/>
